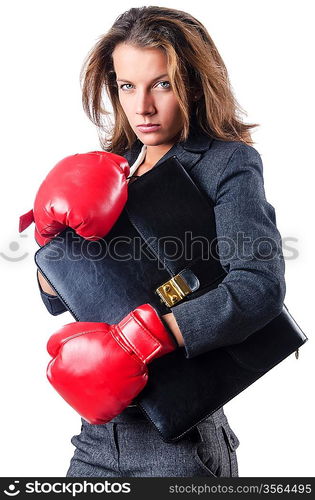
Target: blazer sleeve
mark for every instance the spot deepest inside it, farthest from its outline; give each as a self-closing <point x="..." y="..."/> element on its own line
<point x="250" y="251"/>
<point x="52" y="302"/>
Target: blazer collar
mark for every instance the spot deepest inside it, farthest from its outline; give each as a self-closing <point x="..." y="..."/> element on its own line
<point x="188" y="152"/>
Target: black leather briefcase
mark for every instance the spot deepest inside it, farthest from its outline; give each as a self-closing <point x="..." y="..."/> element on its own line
<point x="180" y="392"/>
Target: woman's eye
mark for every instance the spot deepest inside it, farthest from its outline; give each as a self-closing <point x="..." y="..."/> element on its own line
<point x="165" y="82"/>
<point x="121" y="86"/>
<point x="124" y="84"/>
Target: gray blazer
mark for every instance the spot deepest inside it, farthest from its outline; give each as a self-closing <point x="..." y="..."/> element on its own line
<point x="249" y="244"/>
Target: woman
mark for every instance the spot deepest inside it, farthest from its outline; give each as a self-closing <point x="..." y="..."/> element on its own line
<point x="170" y="94"/>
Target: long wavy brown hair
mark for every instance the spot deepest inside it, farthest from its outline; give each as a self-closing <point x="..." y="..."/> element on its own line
<point x="195" y="67"/>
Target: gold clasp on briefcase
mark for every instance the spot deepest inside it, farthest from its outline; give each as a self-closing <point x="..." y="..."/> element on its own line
<point x="173" y="290"/>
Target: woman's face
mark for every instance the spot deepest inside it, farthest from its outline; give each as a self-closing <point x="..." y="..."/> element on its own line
<point x="145" y="93"/>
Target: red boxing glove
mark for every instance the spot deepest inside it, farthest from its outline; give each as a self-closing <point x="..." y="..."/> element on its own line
<point x="86" y="192"/>
<point x="100" y="368"/>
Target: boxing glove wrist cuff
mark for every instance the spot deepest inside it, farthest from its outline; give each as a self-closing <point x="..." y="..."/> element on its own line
<point x="148" y="339"/>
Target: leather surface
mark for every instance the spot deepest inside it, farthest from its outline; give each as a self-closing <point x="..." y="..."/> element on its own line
<point x="180" y="392"/>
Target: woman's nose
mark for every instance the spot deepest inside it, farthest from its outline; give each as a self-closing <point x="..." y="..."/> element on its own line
<point x="144" y="103"/>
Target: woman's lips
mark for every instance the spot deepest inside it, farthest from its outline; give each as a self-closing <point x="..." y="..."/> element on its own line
<point x="148" y="128"/>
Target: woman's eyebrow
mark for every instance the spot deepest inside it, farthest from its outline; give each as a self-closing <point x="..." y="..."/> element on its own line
<point x="156" y="78"/>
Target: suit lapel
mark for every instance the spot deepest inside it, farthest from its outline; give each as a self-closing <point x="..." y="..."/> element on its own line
<point x="188" y="152"/>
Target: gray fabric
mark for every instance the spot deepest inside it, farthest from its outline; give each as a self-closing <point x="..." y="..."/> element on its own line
<point x="129" y="446"/>
<point x="230" y="174"/>
<point x="250" y="251"/>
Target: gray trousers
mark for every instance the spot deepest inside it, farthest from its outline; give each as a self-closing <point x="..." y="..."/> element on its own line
<point x="130" y="446"/>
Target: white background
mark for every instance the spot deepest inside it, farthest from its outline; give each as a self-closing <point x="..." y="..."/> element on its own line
<point x="267" y="48"/>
